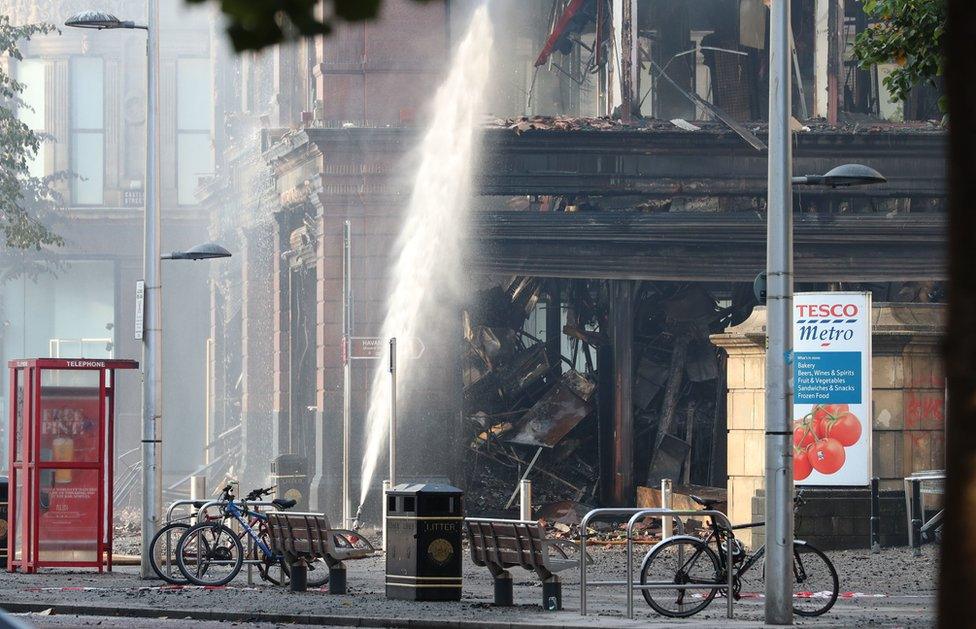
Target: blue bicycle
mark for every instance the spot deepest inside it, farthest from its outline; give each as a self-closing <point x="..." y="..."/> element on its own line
<point x="212" y="553"/>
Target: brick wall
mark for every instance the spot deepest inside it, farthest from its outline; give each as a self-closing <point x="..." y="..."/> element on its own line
<point x="834" y="519"/>
<point x="382" y="73"/>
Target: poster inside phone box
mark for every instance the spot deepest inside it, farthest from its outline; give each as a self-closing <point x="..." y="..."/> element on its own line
<point x="71" y="426"/>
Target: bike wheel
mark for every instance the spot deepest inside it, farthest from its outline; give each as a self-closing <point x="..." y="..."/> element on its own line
<point x="162" y="552"/>
<point x="680" y="561"/>
<point x="815" y="584"/>
<point x="318" y="573"/>
<point x="210" y="553"/>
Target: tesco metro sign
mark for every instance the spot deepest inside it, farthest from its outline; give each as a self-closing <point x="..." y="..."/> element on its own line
<point x="832" y="389"/>
<point x="826" y="322"/>
<point x="827" y="310"/>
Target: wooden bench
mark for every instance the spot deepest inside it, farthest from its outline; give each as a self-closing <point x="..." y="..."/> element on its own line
<point x="305" y="537"/>
<point x="503" y="544"/>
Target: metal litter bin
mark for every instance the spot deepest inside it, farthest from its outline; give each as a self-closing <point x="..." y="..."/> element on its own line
<point x="290" y="473"/>
<point x="423" y="556"/>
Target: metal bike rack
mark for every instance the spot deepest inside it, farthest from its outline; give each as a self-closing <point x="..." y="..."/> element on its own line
<point x="169" y="520"/>
<point x="178" y="503"/>
<point x="250" y="563"/>
<point x="917" y="525"/>
<point x="603" y="514"/>
<point x="637" y="514"/>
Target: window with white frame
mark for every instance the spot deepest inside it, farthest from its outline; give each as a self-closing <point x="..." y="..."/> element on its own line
<point x="30" y="72"/>
<point x="87" y="130"/>
<point x="194" y="111"/>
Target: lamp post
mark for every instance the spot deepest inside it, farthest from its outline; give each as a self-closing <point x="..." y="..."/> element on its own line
<point x="779" y="397"/>
<point x="779" y="321"/>
<point x="152" y="414"/>
<point x="152" y="471"/>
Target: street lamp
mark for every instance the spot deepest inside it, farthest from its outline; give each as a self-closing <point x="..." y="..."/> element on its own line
<point x="845" y="176"/>
<point x="206" y="251"/>
<point x="99" y="20"/>
<point x="152" y="402"/>
<point x="779" y="323"/>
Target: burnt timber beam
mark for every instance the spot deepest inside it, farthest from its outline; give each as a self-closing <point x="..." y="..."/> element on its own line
<point x="706" y="246"/>
<point x="654" y="162"/>
<point x="703" y="163"/>
<point x="622" y="345"/>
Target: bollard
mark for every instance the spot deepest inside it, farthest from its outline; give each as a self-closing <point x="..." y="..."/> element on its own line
<point x="525" y="500"/>
<point x="298" y="573"/>
<point x="875" y="516"/>
<point x="917" y="516"/>
<point x="386" y="487"/>
<point x="667" y="524"/>
<point x="337" y="579"/>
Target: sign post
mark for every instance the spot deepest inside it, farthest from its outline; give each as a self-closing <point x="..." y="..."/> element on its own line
<point x="832" y="389"/>
<point x="393" y="409"/>
<point x="346" y="368"/>
<point x="366" y="348"/>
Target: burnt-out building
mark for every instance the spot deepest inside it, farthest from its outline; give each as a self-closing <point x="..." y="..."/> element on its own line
<point x="618" y="227"/>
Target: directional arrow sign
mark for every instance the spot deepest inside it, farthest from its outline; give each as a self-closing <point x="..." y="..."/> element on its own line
<point x="372" y="347"/>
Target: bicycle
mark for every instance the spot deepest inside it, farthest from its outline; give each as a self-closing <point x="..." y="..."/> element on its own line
<point x="162" y="549"/>
<point x="815" y="579"/>
<point x="211" y="553"/>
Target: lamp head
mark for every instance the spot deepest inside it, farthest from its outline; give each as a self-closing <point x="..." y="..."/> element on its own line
<point x="206" y="251"/>
<point x="98" y="20"/>
<point x="852" y="175"/>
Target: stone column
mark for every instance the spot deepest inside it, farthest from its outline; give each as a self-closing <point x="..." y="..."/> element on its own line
<point x="280" y="331"/>
<point x="908" y="404"/>
<point x="745" y="345"/>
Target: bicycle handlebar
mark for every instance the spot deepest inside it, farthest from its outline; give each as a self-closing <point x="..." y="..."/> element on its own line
<point x="259" y="492"/>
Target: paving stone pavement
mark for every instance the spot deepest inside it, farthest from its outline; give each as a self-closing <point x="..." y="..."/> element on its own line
<point x="888" y="588"/>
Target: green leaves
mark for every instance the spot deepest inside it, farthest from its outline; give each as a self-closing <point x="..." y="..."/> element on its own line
<point x="908" y="33"/>
<point x="257" y="24"/>
<point x="23" y="199"/>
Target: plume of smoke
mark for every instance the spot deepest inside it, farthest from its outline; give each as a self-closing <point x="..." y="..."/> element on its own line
<point x="428" y="259"/>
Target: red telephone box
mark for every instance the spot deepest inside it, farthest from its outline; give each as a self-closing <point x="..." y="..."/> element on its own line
<point x="61" y="462"/>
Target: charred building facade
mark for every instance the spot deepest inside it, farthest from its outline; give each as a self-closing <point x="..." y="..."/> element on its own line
<point x="619" y="225"/>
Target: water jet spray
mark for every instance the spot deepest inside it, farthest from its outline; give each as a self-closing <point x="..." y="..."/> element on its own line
<point x="428" y="260"/>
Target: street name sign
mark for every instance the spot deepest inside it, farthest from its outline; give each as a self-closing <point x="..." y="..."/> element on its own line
<point x="373" y="347"/>
<point x="140" y="309"/>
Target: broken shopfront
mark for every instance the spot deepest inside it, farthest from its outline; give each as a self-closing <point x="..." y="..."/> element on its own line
<point x="604" y="262"/>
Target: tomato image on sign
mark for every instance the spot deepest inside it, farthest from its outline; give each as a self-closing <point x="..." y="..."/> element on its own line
<point x="820" y="438"/>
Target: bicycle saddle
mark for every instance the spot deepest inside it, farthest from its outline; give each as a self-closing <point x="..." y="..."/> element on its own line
<point x="708" y="503"/>
<point x="284" y="503"/>
<point x="198" y="504"/>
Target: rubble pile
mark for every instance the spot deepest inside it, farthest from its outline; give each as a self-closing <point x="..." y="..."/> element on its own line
<point x="521" y="411"/>
<point x="532" y="405"/>
<point x="127" y="531"/>
<point x="523" y="124"/>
